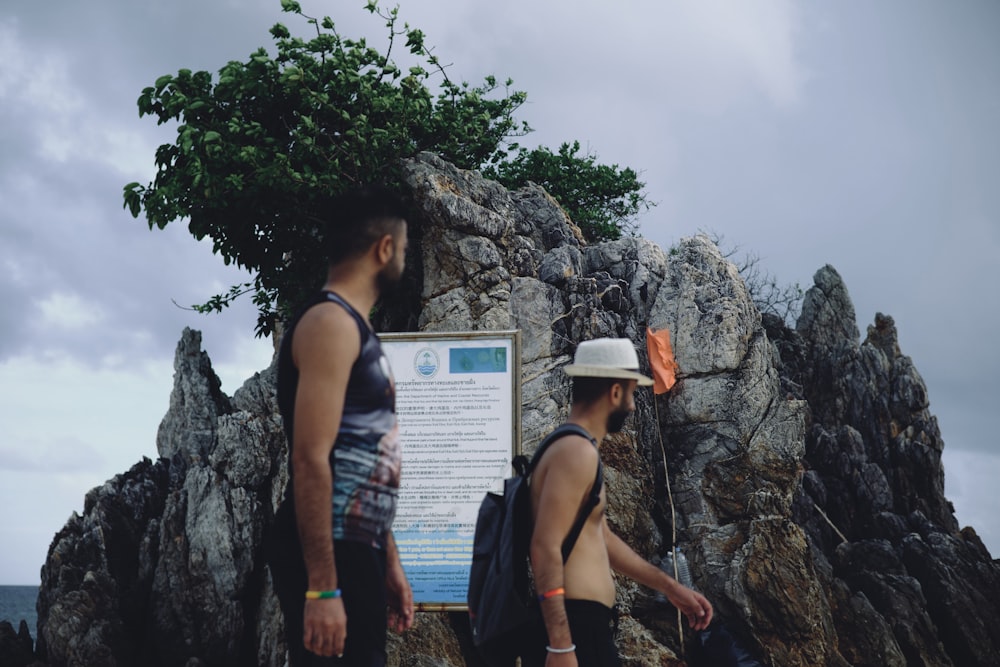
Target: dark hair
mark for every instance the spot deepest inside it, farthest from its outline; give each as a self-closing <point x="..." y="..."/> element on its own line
<point x="588" y="389"/>
<point x="357" y="219"/>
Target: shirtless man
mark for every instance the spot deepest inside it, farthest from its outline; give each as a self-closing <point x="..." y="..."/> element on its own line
<point x="577" y="599"/>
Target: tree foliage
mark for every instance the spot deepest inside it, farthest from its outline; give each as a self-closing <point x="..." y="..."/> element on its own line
<point x="262" y="147"/>
<point x="602" y="200"/>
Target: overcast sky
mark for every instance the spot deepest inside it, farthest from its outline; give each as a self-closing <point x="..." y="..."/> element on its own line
<point x="857" y="134"/>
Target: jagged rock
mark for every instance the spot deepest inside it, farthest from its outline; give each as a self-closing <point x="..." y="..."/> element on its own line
<point x="799" y="469"/>
<point x="16" y="648"/>
<point x="864" y="636"/>
<point x="736" y="443"/>
<point x="196" y="402"/>
<point x="209" y="577"/>
<point x="164" y="567"/>
<point x="960" y="590"/>
<point x="431" y="642"/>
<point x="872" y="498"/>
<point x="639" y="647"/>
<point x="95" y="583"/>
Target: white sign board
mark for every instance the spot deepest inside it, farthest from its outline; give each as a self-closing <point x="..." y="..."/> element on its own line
<point x="458" y="404"/>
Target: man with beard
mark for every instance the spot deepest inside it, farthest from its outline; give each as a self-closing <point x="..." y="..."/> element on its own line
<point x="331" y="552"/>
<point x="577" y="596"/>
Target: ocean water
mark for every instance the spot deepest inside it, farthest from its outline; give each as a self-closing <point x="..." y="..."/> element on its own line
<point x="17" y="603"/>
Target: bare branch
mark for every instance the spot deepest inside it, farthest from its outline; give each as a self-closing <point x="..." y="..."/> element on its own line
<point x="783" y="301"/>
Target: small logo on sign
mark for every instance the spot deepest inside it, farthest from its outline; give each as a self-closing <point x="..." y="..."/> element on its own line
<point x="426" y="363"/>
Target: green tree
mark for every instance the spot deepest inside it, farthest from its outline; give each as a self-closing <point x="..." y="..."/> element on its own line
<point x="260" y="149"/>
<point x="601" y="199"/>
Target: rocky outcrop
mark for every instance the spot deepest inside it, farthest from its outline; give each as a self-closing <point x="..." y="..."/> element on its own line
<point x="872" y="497"/>
<point x="16" y="648"/>
<point x="798" y="469"/>
<point x="163" y="567"/>
<point x="735" y="450"/>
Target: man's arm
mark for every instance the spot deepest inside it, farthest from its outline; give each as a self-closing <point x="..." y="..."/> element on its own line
<point x="624" y="560"/>
<point x="569" y="473"/>
<point x="325" y="346"/>
<point x="398" y="589"/>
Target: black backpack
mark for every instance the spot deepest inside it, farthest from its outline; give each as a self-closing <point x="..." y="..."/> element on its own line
<point x="502" y="602"/>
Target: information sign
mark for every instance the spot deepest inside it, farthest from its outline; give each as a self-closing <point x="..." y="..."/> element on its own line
<point x="458" y="403"/>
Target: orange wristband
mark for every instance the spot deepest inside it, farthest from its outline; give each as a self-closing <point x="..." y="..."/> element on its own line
<point x="551" y="594"/>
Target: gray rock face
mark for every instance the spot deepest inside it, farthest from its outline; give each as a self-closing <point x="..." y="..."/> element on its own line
<point x="872" y="497"/>
<point x="804" y="468"/>
<point x="164" y="566"/>
<point x="16" y="648"/>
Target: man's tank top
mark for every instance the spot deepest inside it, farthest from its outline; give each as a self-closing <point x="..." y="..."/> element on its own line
<point x="366" y="456"/>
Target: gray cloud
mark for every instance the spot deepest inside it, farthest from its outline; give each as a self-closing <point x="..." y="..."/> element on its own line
<point x="66" y="454"/>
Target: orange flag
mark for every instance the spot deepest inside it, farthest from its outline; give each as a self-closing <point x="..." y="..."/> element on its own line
<point x="661" y="359"/>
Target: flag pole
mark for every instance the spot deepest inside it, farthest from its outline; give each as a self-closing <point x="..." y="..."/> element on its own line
<point x="663" y="367"/>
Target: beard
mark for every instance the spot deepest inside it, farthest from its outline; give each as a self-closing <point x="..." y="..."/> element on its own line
<point x="388" y="278"/>
<point x="616" y="420"/>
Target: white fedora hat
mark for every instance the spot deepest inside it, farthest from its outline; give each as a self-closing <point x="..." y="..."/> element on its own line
<point x="607" y="358"/>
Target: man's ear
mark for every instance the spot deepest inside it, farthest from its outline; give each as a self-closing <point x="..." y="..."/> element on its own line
<point x="617" y="390"/>
<point x="385" y="248"/>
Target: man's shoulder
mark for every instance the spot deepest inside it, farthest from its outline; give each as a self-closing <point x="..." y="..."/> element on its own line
<point x="326" y="328"/>
<point x="572" y="436"/>
<point x="570" y="450"/>
<point x="324" y="317"/>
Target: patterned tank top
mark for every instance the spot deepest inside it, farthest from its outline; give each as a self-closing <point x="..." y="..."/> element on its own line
<point x="366" y="457"/>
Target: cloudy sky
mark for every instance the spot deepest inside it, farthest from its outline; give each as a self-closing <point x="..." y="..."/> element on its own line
<point x="857" y="134"/>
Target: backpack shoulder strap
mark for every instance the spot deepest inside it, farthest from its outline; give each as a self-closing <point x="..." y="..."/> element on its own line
<point x="593" y="498"/>
<point x="558" y="432"/>
<point x="588" y="506"/>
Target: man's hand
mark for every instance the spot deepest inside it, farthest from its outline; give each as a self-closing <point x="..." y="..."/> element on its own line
<point x="400" y="598"/>
<point x="325" y="627"/>
<point x="692" y="604"/>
